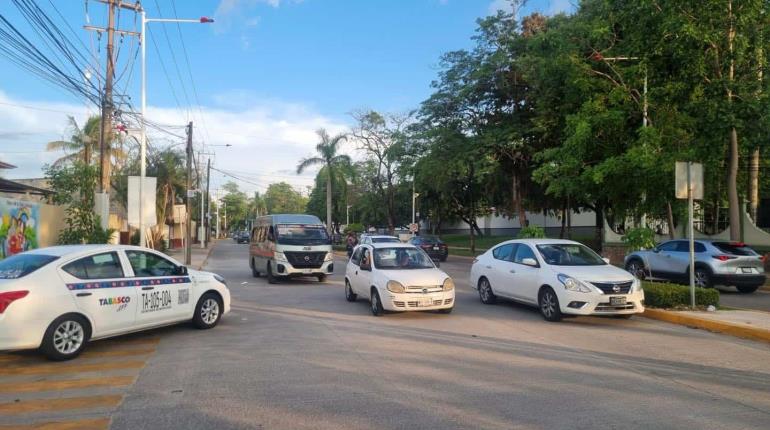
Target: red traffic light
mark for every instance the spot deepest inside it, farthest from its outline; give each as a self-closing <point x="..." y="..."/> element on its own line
<point x="206" y="20"/>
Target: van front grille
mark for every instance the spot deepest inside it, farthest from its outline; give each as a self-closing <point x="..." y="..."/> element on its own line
<point x="306" y="260"/>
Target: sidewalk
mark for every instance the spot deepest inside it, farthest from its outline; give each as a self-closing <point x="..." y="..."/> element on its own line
<point x="745" y="324"/>
<point x="198" y="255"/>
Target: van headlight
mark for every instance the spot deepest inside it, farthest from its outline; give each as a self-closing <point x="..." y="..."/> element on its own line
<point x="449" y="284"/>
<point x="329" y="257"/>
<point x="573" y="284"/>
<point x="278" y="256"/>
<point x="394" y="287"/>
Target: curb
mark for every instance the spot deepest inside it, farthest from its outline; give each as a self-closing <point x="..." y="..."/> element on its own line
<point x="732" y="329"/>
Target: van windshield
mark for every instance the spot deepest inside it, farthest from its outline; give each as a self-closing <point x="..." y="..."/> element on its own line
<point x="299" y="234"/>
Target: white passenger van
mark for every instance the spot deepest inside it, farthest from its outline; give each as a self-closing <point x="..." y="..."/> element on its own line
<point x="290" y="245"/>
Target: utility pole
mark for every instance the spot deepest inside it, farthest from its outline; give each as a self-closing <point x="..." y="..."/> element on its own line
<point x="188" y="236"/>
<point x="208" y="203"/>
<point x="106" y="123"/>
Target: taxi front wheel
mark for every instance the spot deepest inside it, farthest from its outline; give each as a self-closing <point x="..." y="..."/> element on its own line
<point x="65" y="338"/>
<point x="208" y="311"/>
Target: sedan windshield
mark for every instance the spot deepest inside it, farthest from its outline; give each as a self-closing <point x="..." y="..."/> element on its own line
<point x="297" y="234"/>
<point x="569" y="254"/>
<point x="401" y="259"/>
<point x="23" y="264"/>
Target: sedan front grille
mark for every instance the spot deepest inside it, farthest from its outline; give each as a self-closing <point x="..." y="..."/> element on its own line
<point x="306" y="260"/>
<point x="614" y="287"/>
<point x="606" y="307"/>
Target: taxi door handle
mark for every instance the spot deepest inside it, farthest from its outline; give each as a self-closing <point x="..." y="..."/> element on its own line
<point x="147" y="288"/>
<point x="83" y="294"/>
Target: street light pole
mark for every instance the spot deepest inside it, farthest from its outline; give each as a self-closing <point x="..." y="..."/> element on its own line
<point x="143" y="143"/>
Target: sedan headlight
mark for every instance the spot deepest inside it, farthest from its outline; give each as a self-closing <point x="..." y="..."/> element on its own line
<point x="279" y="256"/>
<point x="394" y="287"/>
<point x="329" y="257"/>
<point x="220" y="279"/>
<point x="573" y="284"/>
<point x="449" y="284"/>
<point x="636" y="285"/>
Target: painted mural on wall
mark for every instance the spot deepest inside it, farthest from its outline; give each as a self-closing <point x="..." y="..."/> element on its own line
<point x="19" y="228"/>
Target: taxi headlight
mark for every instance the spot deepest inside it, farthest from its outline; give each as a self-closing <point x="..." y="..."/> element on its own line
<point x="449" y="284"/>
<point x="573" y="284"/>
<point x="278" y="256"/>
<point x="394" y="287"/>
<point x="329" y="257"/>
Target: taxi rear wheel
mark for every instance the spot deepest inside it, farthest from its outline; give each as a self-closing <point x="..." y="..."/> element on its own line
<point x="208" y="311"/>
<point x="65" y="338"/>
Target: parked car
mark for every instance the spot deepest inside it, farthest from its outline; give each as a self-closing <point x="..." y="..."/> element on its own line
<point x="397" y="277"/>
<point x="58" y="299"/>
<point x="560" y="277"/>
<point x="435" y="247"/>
<point x="717" y="262"/>
<point x="243" y="237"/>
<point x="378" y="238"/>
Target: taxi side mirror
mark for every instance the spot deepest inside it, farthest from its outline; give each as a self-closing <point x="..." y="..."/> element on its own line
<point x="529" y="262"/>
<point x="181" y="271"/>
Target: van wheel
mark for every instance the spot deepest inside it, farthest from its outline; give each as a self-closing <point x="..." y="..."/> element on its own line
<point x="271" y="279"/>
<point x="254" y="271"/>
<point x="65" y="338"/>
<point x="321" y="278"/>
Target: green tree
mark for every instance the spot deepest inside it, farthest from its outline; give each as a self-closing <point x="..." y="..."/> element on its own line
<point x="331" y="160"/>
<point x="282" y="198"/>
<point x="83" y="142"/>
<point x="237" y="205"/>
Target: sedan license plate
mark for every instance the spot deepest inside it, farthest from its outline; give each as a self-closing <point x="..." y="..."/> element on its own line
<point x="617" y="301"/>
<point x="746" y="269"/>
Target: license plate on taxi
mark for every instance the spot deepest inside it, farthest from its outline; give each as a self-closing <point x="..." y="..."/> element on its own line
<point x="617" y="301"/>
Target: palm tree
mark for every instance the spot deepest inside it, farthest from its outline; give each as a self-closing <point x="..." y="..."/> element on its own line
<point x="82" y="144"/>
<point x="331" y="161"/>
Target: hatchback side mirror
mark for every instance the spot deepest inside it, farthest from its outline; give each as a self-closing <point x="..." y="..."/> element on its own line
<point x="529" y="262"/>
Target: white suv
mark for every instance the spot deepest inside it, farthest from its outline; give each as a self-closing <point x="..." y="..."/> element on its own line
<point x="558" y="276"/>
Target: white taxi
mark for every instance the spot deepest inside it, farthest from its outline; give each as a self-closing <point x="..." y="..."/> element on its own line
<point x="59" y="298"/>
<point x="397" y="277"/>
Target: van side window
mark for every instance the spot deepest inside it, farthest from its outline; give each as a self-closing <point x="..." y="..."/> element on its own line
<point x="270" y="234"/>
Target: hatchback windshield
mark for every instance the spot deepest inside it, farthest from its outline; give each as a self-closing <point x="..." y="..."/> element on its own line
<point x="569" y="254"/>
<point x="23" y="264"/>
<point x="385" y="240"/>
<point x="298" y="234"/>
<point x="401" y="259"/>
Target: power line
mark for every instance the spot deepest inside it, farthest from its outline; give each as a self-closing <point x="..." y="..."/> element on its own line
<point x="173" y="58"/>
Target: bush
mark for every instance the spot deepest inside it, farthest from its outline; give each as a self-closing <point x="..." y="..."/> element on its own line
<point x="639" y="238"/>
<point x="354" y="227"/>
<point x="665" y="295"/>
<point x="531" y="232"/>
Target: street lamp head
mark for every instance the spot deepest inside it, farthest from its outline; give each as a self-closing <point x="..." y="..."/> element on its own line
<point x="206" y="20"/>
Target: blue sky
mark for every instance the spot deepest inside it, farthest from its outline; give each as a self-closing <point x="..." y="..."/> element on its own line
<point x="267" y="72"/>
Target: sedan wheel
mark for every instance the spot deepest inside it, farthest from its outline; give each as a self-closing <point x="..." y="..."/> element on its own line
<point x="549" y="305"/>
<point x="486" y="294"/>
<point x="207" y="312"/>
<point x="65" y="338"/>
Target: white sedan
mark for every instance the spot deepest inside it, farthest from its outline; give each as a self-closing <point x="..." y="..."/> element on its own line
<point x="397" y="277"/>
<point x="558" y="276"/>
<point x="59" y="298"/>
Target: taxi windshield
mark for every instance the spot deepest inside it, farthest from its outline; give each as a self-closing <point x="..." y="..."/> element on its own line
<point x="401" y="259"/>
<point x="20" y="265"/>
<point x="299" y="234"/>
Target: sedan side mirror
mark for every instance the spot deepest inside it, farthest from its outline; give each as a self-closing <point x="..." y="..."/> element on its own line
<point x="181" y="270"/>
<point x="529" y="262"/>
<point x="606" y="260"/>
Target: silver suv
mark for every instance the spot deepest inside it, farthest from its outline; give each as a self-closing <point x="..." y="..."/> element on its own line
<point x="716" y="263"/>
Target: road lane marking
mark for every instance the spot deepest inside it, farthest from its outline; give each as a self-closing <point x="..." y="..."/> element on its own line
<point x="91" y="424"/>
<point x="58" y="369"/>
<point x="27" y="359"/>
<point x="67" y="384"/>
<point x="50" y="405"/>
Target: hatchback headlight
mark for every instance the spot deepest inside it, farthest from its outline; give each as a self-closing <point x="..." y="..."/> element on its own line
<point x="220" y="279"/>
<point x="278" y="256"/>
<point x="394" y="287"/>
<point x="329" y="257"/>
<point x="449" y="284"/>
<point x="573" y="284"/>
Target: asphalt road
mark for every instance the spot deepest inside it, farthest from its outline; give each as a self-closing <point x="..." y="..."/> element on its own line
<point x="298" y="356"/>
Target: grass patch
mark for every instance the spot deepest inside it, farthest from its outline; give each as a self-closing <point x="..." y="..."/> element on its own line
<point x="674" y="296"/>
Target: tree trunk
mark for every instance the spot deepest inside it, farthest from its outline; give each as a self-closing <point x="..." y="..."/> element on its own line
<point x="599" y="220"/>
<point x="563" y="219"/>
<point x="473" y="240"/>
<point x="569" y="218"/>
<point x="329" y="199"/>
<point x="754" y="185"/>
<point x="732" y="188"/>
<point x="517" y="201"/>
<point x="670" y="220"/>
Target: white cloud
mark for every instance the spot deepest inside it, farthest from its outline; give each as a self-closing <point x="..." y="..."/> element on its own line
<point x="268" y="137"/>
